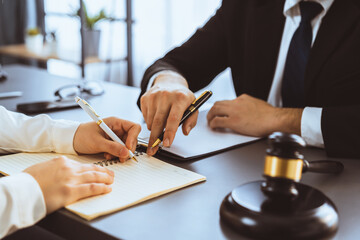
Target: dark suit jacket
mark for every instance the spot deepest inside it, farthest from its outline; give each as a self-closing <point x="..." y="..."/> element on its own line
<point x="245" y="35"/>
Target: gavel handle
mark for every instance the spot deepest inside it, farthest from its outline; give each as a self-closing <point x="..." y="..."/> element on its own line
<point x="323" y="166"/>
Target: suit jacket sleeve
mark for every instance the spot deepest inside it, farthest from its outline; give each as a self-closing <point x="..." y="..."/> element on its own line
<point x="199" y="59"/>
<point x="341" y="128"/>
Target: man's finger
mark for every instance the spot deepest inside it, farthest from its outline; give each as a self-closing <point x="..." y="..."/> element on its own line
<point x="153" y="137"/>
<point x="151" y="151"/>
<point x="151" y="111"/>
<point x="190" y="123"/>
<point x="158" y="123"/>
<point x="218" y="110"/>
<point x="219" y="122"/>
<point x="172" y="124"/>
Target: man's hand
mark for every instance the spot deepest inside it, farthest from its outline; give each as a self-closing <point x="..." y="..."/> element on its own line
<point x="64" y="181"/>
<point x="163" y="107"/>
<point x="90" y="138"/>
<point x="254" y="117"/>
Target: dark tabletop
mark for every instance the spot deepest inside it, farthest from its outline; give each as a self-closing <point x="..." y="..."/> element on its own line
<point x="190" y="213"/>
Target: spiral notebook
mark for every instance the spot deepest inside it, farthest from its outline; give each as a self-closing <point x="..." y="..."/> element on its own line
<point x="134" y="182"/>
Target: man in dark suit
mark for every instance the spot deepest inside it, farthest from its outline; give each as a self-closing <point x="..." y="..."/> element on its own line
<point x="295" y="67"/>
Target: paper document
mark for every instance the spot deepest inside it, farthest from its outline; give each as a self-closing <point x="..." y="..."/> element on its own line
<point x="134" y="182"/>
<point x="201" y="141"/>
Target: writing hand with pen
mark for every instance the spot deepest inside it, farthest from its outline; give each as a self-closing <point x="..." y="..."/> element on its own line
<point x="164" y="106"/>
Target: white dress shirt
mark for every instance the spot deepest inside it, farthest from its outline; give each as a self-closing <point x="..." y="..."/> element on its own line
<point x="311" y="116"/>
<point x="21" y="200"/>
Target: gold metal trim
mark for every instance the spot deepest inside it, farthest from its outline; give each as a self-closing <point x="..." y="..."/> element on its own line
<point x="99" y="122"/>
<point x="191" y="109"/>
<point x="283" y="167"/>
<point x="86" y="103"/>
<point x="200" y="96"/>
<point x="157" y="142"/>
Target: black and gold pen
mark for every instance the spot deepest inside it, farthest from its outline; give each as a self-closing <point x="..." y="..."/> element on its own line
<point x="195" y="105"/>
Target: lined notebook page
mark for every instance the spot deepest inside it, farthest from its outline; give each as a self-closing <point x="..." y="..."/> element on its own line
<point x="134" y="182"/>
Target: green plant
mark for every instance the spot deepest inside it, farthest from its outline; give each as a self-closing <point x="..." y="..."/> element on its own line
<point x="92" y="20"/>
<point x="33" y="31"/>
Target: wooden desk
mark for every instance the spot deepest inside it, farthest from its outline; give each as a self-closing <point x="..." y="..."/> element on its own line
<point x="190" y="213"/>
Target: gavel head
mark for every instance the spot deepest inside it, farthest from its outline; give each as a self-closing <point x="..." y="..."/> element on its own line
<point x="283" y="165"/>
<point x="281" y="207"/>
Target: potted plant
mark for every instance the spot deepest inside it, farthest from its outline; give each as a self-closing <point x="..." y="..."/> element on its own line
<point x="92" y="35"/>
<point x="34" y="40"/>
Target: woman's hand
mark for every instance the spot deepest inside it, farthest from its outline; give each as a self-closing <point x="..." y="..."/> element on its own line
<point x="90" y="138"/>
<point x="64" y="181"/>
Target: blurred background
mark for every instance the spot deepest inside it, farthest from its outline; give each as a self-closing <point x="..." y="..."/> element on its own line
<point x="156" y="27"/>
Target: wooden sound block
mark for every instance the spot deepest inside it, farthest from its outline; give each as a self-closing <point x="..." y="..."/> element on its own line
<point x="249" y="211"/>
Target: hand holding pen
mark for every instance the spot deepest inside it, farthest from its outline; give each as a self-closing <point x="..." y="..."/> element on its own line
<point x="194" y="106"/>
<point x="91" y="112"/>
<point x="163" y="105"/>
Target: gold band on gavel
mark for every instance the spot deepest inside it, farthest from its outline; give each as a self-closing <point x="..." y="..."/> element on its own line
<point x="283" y="168"/>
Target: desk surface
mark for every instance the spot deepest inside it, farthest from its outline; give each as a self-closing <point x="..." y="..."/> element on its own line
<point x="190" y="213"/>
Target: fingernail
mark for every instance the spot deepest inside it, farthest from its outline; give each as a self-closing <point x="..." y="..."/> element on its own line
<point x="111" y="180"/>
<point x="167" y="142"/>
<point x="111" y="173"/>
<point x="149" y="151"/>
<point x="153" y="150"/>
<point x="188" y="129"/>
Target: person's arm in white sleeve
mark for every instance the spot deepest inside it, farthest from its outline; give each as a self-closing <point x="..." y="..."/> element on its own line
<point x="311" y="127"/>
<point x="153" y="77"/>
<point x="27" y="197"/>
<point x="21" y="203"/>
<point x="21" y="133"/>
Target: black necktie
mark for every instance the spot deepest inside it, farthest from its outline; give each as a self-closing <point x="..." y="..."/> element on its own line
<point x="294" y="73"/>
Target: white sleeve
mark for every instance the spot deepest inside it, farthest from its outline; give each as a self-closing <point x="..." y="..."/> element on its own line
<point x="20" y="133"/>
<point x="153" y="77"/>
<point x="21" y="200"/>
<point x="311" y="127"/>
<point x="21" y="203"/>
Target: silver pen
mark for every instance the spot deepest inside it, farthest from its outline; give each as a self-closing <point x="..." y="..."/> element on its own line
<point x="91" y="112"/>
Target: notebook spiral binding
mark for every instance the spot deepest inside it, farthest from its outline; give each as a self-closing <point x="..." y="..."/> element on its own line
<point x="114" y="161"/>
